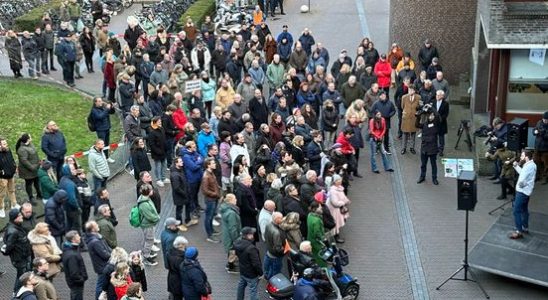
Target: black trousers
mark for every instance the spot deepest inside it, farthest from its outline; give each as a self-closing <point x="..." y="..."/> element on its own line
<point x="68" y="71"/>
<point x="424" y="161"/>
<point x="28" y="188"/>
<point x="89" y="60"/>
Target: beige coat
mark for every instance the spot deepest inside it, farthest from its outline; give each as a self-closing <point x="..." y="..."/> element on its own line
<point x="46" y="247"/>
<point x="409" y="109"/>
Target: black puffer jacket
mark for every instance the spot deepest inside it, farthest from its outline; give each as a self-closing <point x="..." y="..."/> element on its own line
<point x="7" y="165"/>
<point x="74" y="266"/>
<point x="541" y="140"/>
<point x="17" y="245"/>
<point x="55" y="213"/>
<point x="248" y="256"/>
<point x="178" y="186"/>
<point x="174" y="260"/>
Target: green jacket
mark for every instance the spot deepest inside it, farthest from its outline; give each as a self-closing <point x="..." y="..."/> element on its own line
<point x="316" y="235"/>
<point x="106" y="229"/>
<point x="505" y="155"/>
<point x="275" y="75"/>
<point x="29" y="162"/>
<point x="230" y="216"/>
<point x="47" y="186"/>
<point x="148" y="212"/>
<point x="74" y="10"/>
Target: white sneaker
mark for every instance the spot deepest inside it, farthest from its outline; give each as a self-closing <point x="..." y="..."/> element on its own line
<point x="167" y="181"/>
<point x="160" y="183"/>
<point x="110" y="160"/>
<point x="154" y="248"/>
<point x="157" y="241"/>
<point x="2" y="213"/>
<point x="216" y="223"/>
<point x="132" y="172"/>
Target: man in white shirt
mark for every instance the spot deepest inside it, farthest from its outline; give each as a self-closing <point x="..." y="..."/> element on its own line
<point x="527" y="170"/>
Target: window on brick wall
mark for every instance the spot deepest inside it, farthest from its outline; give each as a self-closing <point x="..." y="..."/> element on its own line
<point x="527" y="84"/>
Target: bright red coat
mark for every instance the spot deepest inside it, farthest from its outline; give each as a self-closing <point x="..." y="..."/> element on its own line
<point x="378" y="133"/>
<point x="179" y="119"/>
<point x="346" y="147"/>
<point x="109" y="75"/>
<point x="383" y="72"/>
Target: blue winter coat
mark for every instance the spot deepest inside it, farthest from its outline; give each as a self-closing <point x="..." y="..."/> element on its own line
<point x="98" y="250"/>
<point x="101" y="118"/>
<point x="204" y="140"/>
<point x="193" y="162"/>
<point x="284" y="50"/>
<point x="70" y="187"/>
<point x="193" y="280"/>
<point x="307" y="41"/>
<point x="67" y="51"/>
<point x="357" y="139"/>
<point x="167" y="237"/>
<point x="303" y="98"/>
<point x="304" y="290"/>
<point x="55" y="214"/>
<point x="54" y="145"/>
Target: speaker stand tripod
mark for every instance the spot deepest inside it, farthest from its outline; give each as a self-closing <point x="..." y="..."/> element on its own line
<point x="465" y="267"/>
<point x="464" y="127"/>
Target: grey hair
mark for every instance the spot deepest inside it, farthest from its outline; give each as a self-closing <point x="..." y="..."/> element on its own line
<point x="135" y="107"/>
<point x="180" y="241"/>
<point x="102" y="207"/>
<point x="310" y="173"/>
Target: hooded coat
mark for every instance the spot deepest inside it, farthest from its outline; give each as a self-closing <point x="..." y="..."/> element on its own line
<point x="46" y="247"/>
<point x="55" y="213"/>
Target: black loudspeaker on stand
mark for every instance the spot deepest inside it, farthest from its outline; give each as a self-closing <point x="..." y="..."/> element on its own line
<point x="517" y="134"/>
<point x="467" y="199"/>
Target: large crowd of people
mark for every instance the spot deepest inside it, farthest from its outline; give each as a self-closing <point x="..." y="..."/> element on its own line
<point x="264" y="151"/>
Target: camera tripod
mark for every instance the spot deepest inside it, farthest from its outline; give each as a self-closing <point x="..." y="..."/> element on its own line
<point x="465" y="265"/>
<point x="464" y="127"/>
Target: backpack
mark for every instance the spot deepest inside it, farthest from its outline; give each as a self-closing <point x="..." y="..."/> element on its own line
<point x="91" y="125"/>
<point x="135" y="217"/>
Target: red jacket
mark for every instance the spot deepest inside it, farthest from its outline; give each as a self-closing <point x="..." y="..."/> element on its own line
<point x="179" y="119"/>
<point x="377" y="133"/>
<point x="109" y="75"/>
<point x="346" y="147"/>
<point x="383" y="72"/>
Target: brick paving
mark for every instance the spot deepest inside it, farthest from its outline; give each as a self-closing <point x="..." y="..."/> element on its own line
<point x="373" y="233"/>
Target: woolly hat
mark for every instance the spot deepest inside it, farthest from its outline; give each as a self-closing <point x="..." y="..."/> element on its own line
<point x="545" y="115"/>
<point x="191" y="252"/>
<point x="14" y="213"/>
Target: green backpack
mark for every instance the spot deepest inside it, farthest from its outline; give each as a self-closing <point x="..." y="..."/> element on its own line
<point x="135" y="217"/>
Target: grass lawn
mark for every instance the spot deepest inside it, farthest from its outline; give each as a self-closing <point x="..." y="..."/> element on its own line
<point x="26" y="106"/>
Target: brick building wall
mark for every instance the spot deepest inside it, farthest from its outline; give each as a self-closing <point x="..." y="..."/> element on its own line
<point x="449" y="24"/>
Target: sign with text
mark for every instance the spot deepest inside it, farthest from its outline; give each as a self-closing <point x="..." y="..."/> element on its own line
<point x="192" y="85"/>
<point x="453" y="166"/>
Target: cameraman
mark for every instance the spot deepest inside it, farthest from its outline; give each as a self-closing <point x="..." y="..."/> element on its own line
<point x="507" y="174"/>
<point x="430" y="124"/>
<point x="498" y="133"/>
<point x="377" y="130"/>
<point x="541" y="147"/>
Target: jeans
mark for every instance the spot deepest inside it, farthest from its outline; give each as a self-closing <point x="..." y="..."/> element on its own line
<point x="44" y="60"/>
<point x="272" y="265"/>
<point x="148" y="234"/>
<point x="32" y="65"/>
<point x="160" y="169"/>
<point x="99" y="183"/>
<point x="105" y="136"/>
<point x="441" y="141"/>
<point x="193" y="189"/>
<point x="385" y="161"/>
<point x="252" y="282"/>
<point x="77" y="293"/>
<point x="211" y="206"/>
<point x="170" y="147"/>
<point x="424" y="161"/>
<point x="101" y="278"/>
<point x="521" y="211"/>
<point x="57" y="165"/>
<point x="179" y="212"/>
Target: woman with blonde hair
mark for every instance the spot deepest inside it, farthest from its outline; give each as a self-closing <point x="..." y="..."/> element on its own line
<point x="121" y="279"/>
<point x="118" y="255"/>
<point x="297" y="151"/>
<point x="45" y="246"/>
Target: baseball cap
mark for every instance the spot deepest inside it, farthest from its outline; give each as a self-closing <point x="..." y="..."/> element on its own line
<point x="172" y="221"/>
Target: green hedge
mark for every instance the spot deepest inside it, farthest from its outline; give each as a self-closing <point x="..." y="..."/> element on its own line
<point x="198" y="11"/>
<point x="30" y="20"/>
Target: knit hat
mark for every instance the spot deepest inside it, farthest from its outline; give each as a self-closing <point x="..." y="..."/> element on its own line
<point x="191" y="252"/>
<point x="14" y="213"/>
<point x="545" y="115"/>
